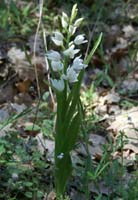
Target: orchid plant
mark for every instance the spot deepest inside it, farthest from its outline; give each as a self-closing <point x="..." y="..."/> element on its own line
<point x="67" y="68"/>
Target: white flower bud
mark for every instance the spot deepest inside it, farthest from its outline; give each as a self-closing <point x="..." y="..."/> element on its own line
<point x="64" y="20"/>
<point x="53" y="55"/>
<point x="56" y="66"/>
<point x="58" y="84"/>
<point x="74" y="12"/>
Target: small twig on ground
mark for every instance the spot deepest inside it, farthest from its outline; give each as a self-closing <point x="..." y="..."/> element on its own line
<point x="34" y="56"/>
<point x="47" y="67"/>
<point x="35" y="42"/>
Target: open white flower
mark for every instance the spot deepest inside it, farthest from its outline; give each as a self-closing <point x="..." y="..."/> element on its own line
<point x="58" y="84"/>
<point x="53" y="55"/>
<point x="70" y="52"/>
<point x="58" y="38"/>
<point x="56" y="66"/>
<point x="78" y="64"/>
<point x="71" y="75"/>
<point x="80" y="39"/>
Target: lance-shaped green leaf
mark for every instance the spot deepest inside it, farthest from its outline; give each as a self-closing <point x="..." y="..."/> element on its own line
<point x="89" y="57"/>
<point x="63" y="163"/>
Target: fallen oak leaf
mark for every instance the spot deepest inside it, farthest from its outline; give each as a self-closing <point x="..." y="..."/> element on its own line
<point x="23" y="86"/>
